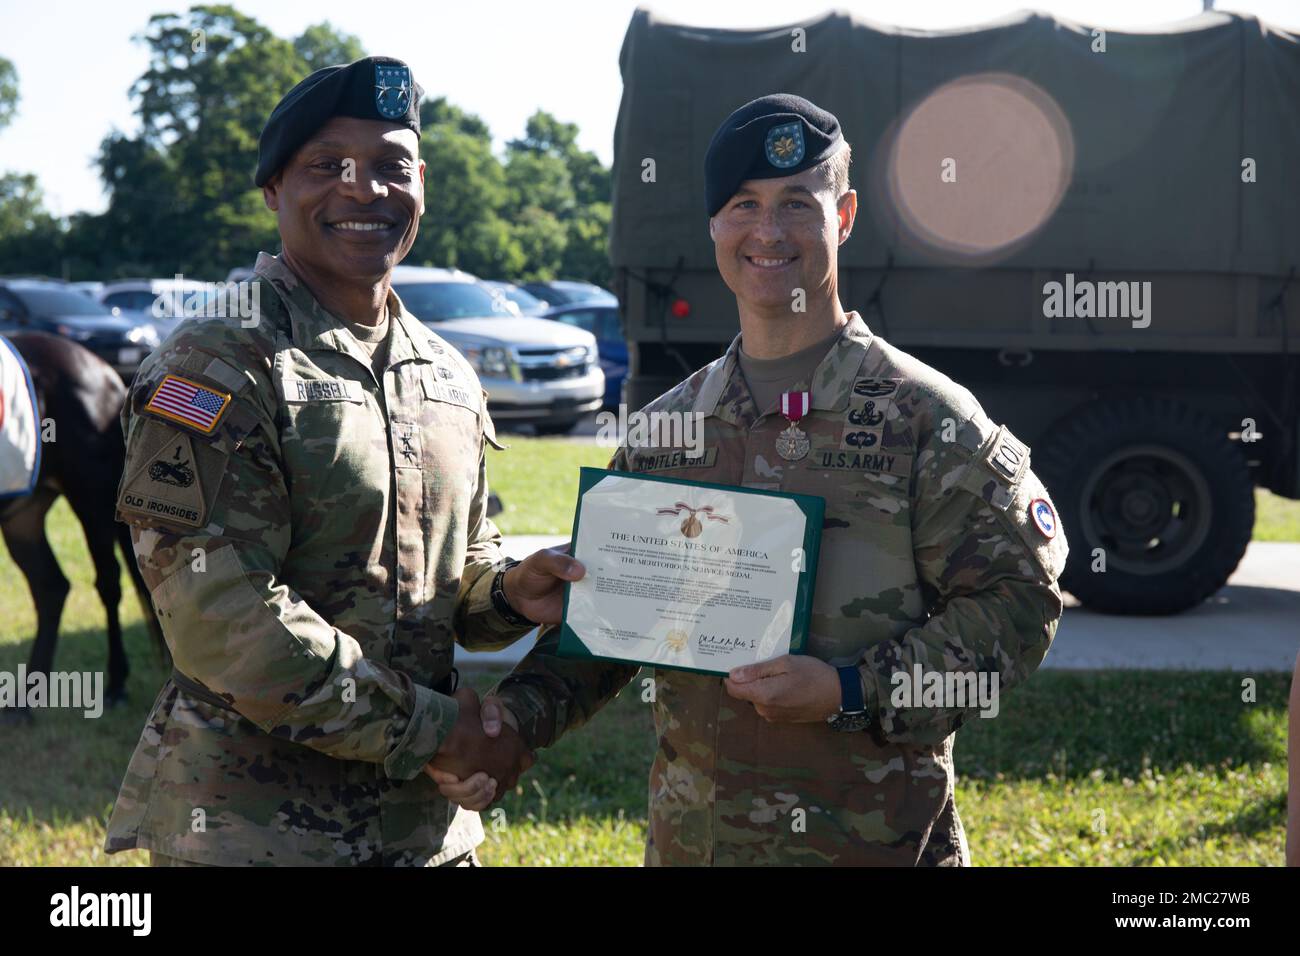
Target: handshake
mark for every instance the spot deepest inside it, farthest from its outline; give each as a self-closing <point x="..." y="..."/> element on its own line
<point x="484" y="755"/>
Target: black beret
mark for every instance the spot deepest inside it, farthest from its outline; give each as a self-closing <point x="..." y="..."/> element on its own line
<point x="375" y="88"/>
<point x="776" y="135"/>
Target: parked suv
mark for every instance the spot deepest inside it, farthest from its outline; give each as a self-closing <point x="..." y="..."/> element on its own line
<point x="536" y="372"/>
<point x="44" y="305"/>
<point x="603" y="322"/>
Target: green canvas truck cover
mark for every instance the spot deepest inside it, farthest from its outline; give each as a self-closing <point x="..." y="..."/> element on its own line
<point x="1155" y="128"/>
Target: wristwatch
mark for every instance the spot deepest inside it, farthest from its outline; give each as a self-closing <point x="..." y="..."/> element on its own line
<point x="502" y="604"/>
<point x="853" y="713"/>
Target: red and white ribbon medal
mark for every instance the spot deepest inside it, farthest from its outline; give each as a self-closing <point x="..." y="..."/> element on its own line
<point x="792" y="444"/>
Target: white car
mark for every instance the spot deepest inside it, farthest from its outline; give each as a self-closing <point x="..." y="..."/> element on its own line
<point x="536" y="372"/>
<point x="160" y="302"/>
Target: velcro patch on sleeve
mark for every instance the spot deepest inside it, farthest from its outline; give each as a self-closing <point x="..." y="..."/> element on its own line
<point x="169" y="477"/>
<point x="1007" y="457"/>
<point x="188" y="403"/>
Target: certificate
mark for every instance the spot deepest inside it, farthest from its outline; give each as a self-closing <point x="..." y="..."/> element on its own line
<point x="689" y="575"/>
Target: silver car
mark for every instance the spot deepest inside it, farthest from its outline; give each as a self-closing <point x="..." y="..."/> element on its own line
<point x="536" y="372"/>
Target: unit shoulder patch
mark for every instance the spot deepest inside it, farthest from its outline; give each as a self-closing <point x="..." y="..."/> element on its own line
<point x="1007" y="457"/>
<point x="169" y="477"/>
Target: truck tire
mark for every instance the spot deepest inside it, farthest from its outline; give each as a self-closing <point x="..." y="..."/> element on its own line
<point x="1164" y="494"/>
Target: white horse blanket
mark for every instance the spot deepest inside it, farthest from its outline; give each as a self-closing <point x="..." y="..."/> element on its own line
<point x="20" y="445"/>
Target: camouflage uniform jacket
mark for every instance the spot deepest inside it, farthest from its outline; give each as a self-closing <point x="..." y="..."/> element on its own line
<point x="929" y="556"/>
<point x="312" y="555"/>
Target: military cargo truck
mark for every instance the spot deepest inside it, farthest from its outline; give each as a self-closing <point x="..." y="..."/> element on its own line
<point x="1096" y="232"/>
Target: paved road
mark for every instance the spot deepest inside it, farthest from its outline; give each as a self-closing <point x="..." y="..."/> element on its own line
<point x="1252" y="624"/>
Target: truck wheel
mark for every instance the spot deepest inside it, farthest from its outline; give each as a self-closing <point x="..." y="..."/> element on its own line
<point x="1164" y="494"/>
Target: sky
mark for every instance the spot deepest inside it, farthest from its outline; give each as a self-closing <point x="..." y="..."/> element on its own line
<point x="501" y="59"/>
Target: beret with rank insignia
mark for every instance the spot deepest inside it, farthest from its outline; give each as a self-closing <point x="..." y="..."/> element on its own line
<point x="772" y="136"/>
<point x="375" y="88"/>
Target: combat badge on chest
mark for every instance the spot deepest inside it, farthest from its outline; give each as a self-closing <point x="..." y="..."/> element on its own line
<point x="865" y="419"/>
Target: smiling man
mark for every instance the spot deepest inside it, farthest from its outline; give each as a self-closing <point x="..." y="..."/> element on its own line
<point x="939" y="553"/>
<point x="308" y="502"/>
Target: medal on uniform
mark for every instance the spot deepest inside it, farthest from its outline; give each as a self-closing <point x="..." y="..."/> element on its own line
<point x="792" y="444"/>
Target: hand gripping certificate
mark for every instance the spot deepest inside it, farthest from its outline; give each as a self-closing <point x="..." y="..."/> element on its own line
<point x="689" y="575"/>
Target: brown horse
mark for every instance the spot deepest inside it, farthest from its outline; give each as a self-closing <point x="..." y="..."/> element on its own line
<point x="82" y="396"/>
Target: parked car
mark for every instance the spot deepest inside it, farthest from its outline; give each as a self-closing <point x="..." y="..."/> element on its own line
<point x="91" y="289"/>
<point x="536" y="372"/>
<point x="603" y="322"/>
<point x="42" y="305"/>
<point x="528" y="303"/>
<point x="567" y="292"/>
<point x="139" y="296"/>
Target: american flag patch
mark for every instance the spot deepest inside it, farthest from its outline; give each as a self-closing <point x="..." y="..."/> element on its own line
<point x="188" y="403"/>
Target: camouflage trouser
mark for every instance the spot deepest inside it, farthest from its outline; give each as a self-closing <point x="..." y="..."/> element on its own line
<point x="159" y="859"/>
<point x="947" y="843"/>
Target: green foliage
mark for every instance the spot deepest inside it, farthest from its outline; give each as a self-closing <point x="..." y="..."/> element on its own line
<point x="28" y="233"/>
<point x="8" y="92"/>
<point x="464" y="192"/>
<point x="321" y="45"/>
<point x="560" y="197"/>
<point x="181" y="197"/>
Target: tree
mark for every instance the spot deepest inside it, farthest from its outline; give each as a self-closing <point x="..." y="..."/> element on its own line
<point x="181" y="194"/>
<point x="464" y="194"/>
<point x="545" y="135"/>
<point x="321" y="46"/>
<point x="181" y="197"/>
<point x="549" y="173"/>
<point x="29" y="236"/>
<point x="8" y="92"/>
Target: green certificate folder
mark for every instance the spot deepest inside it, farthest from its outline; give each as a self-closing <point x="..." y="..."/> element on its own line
<point x="689" y="575"/>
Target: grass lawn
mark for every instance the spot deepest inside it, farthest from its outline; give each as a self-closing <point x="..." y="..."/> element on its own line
<point x="537" y="481"/>
<point x="1276" y="518"/>
<point x="1118" y="767"/>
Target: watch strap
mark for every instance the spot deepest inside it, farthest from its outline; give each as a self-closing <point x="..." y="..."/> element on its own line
<point x="851" y="701"/>
<point x="502" y="604"/>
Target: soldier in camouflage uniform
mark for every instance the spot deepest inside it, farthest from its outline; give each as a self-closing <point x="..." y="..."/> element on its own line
<point x="308" y="505"/>
<point x="939" y="549"/>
